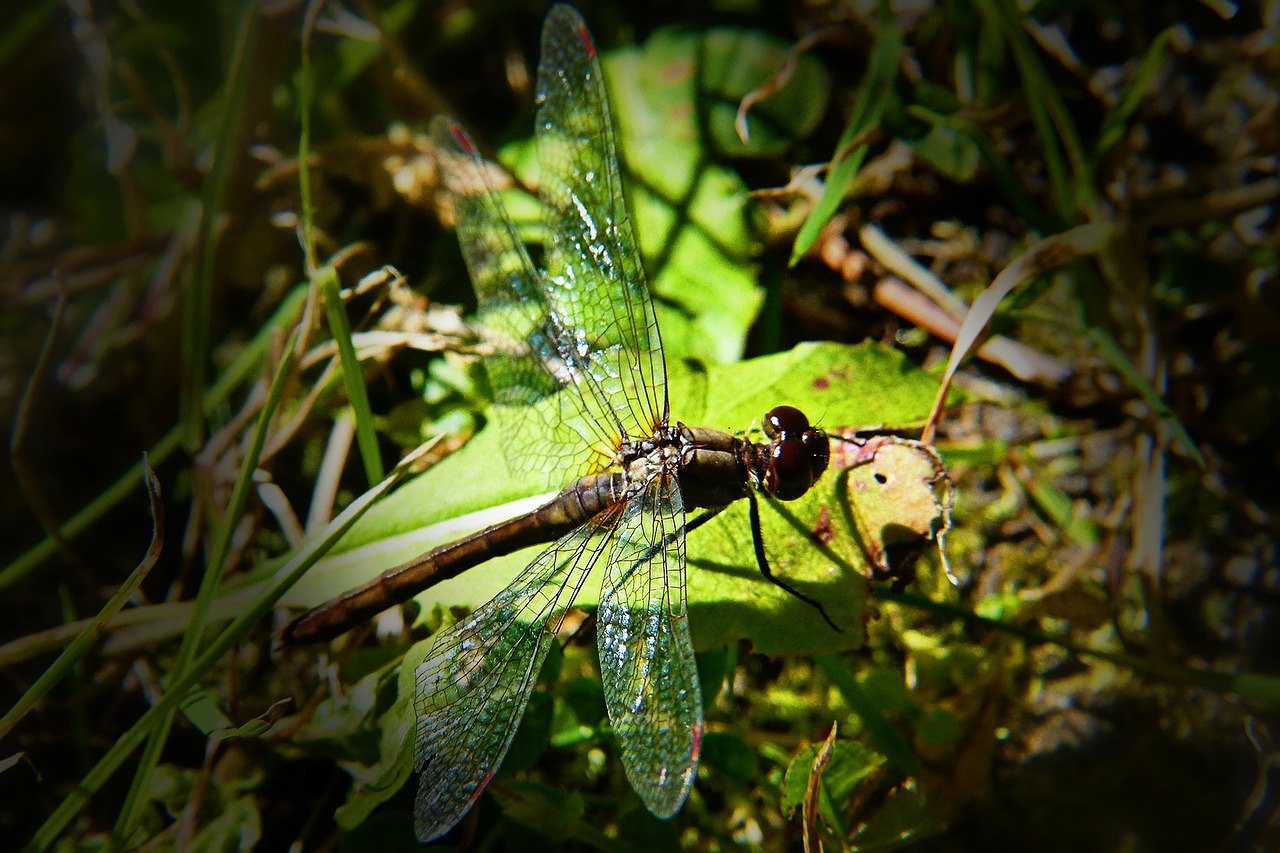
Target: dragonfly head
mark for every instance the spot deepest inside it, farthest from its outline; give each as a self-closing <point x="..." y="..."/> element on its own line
<point x="797" y="455"/>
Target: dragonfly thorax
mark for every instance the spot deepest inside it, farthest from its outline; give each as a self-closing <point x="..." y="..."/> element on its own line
<point x="716" y="468"/>
<point x="661" y="454"/>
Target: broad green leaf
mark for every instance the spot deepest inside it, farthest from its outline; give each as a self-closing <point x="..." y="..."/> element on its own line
<point x="640" y="830"/>
<point x="939" y="727"/>
<point x="690" y="213"/>
<point x="533" y="733"/>
<point x="583" y="701"/>
<point x="949" y="151"/>
<point x="887" y="739"/>
<point x="903" y="816"/>
<point x="396" y="750"/>
<point x="171" y="787"/>
<point x="894" y="502"/>
<point x="728" y="599"/>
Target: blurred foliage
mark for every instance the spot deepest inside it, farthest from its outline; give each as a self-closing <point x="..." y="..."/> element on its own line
<point x="1104" y="679"/>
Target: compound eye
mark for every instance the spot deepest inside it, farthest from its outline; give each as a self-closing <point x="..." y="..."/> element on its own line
<point x="790" y="470"/>
<point x="782" y="420"/>
<point x="818" y="447"/>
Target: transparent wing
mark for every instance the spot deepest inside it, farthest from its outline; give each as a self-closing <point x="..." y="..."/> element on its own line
<point x="650" y="679"/>
<point x="597" y="283"/>
<point x="471" y="692"/>
<point x="555" y="426"/>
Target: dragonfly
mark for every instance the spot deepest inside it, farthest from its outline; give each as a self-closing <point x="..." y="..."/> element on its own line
<point x="579" y="378"/>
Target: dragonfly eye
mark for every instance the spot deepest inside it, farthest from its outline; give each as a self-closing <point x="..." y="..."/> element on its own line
<point x="798" y="453"/>
<point x="819" y="448"/>
<point x="782" y="420"/>
<point x="790" y="469"/>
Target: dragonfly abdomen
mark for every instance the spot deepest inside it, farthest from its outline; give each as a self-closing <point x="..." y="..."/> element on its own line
<point x="567" y="511"/>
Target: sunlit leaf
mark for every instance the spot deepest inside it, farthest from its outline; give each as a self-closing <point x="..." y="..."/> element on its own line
<point x="690" y="212"/>
<point x="728" y="598"/>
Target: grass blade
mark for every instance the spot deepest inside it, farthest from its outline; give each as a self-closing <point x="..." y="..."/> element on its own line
<point x="224" y="642"/>
<point x="352" y="376"/>
<point x="211" y="579"/>
<point x="882" y="70"/>
<point x="78" y="647"/>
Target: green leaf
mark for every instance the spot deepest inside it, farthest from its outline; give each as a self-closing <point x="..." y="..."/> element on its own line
<point x="886" y="690"/>
<point x="888" y="740"/>
<point x="552" y="814"/>
<point x="990" y="153"/>
<point x="728" y="599"/>
<point x="377" y="783"/>
<point x="939" y="727"/>
<point x="396" y="750"/>
<point x="714" y="666"/>
<point x="532" y="734"/>
<point x="849" y="764"/>
<point x="735" y="63"/>
<point x="951" y="152"/>
<point x="171" y="787"/>
<point x="640" y="831"/>
<point x="904" y="815"/>
<point x="690" y="213"/>
<point x="339" y="727"/>
<point x="584" y="697"/>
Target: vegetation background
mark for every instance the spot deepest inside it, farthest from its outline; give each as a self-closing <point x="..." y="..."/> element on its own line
<point x="175" y="278"/>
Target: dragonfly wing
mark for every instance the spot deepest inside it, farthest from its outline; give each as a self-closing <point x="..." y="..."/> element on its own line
<point x="651" y="686"/>
<point x="471" y="692"/>
<point x="565" y="438"/>
<point x="597" y="283"/>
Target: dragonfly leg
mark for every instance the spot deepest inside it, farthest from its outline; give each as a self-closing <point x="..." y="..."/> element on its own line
<point x="757" y="539"/>
<point x="704" y="517"/>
